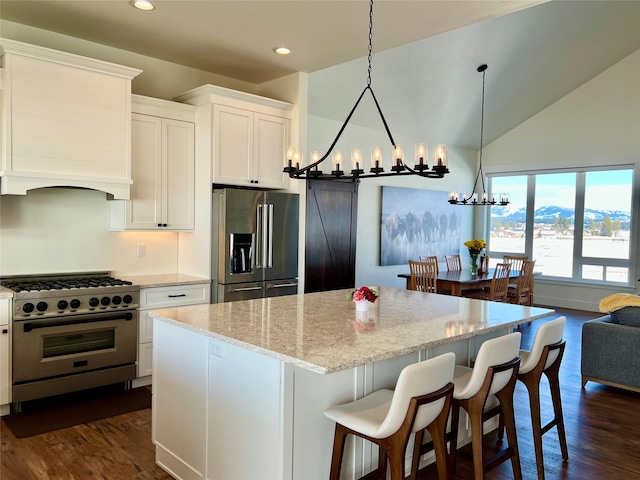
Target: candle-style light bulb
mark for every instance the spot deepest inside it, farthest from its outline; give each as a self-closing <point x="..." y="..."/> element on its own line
<point x="289" y="156"/>
<point x="421" y="154"/>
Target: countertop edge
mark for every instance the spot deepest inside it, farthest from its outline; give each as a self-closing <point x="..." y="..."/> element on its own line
<point x="347" y="365"/>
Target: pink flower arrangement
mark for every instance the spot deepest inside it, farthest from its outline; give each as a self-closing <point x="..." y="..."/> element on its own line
<point x="363" y="293"/>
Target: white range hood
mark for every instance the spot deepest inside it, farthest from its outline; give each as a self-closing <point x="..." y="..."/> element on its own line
<point x="66" y="121"/>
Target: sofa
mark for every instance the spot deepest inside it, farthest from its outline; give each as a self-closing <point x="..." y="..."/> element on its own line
<point x="610" y="346"/>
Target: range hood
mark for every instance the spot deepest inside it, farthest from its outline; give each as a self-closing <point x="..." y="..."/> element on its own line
<point x="66" y="121"/>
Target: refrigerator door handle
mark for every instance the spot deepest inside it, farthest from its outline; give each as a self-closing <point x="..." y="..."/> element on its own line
<point x="270" y="236"/>
<point x="259" y="237"/>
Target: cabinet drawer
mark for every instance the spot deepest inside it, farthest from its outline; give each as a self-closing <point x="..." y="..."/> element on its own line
<point x="165" y="297"/>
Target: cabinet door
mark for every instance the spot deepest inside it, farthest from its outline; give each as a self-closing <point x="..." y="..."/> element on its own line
<point x="178" y="174"/>
<point x="233" y="145"/>
<point x="271" y="136"/>
<point x="144" y="209"/>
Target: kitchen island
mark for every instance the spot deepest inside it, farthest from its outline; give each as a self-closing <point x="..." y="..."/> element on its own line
<point x="239" y="388"/>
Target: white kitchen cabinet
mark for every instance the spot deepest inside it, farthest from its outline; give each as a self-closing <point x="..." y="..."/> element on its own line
<point x="66" y="121"/>
<point x="5" y="355"/>
<point x="153" y="298"/>
<point x="162" y="169"/>
<point x="249" y="135"/>
<point x="249" y="147"/>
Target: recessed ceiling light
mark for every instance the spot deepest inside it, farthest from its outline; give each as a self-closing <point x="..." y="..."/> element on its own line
<point x="282" y="50"/>
<point x="143" y="5"/>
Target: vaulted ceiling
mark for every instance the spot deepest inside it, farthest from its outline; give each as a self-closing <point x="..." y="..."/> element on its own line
<point x="426" y="52"/>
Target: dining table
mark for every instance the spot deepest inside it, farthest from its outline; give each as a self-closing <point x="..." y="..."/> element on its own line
<point x="458" y="281"/>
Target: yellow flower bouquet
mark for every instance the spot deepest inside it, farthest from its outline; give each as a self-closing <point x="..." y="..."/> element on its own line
<point x="475" y="246"/>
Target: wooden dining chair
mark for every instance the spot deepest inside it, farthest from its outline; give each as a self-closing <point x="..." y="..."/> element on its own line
<point x="522" y="292"/>
<point x="423" y="276"/>
<point x="499" y="285"/>
<point x="453" y="263"/>
<point x="516" y="261"/>
<point x="433" y="259"/>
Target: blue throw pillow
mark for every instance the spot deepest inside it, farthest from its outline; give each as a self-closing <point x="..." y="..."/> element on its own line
<point x="627" y="316"/>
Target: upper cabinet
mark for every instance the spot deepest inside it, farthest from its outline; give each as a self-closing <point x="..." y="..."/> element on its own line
<point x="249" y="135"/>
<point x="162" y="168"/>
<point x="66" y="121"/>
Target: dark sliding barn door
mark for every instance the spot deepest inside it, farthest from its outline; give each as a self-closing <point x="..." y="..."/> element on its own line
<point x="330" y="246"/>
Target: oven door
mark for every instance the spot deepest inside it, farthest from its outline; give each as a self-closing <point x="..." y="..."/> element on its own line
<point x="52" y="347"/>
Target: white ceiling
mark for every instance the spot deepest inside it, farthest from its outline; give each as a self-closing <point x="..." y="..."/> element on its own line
<point x="424" y="69"/>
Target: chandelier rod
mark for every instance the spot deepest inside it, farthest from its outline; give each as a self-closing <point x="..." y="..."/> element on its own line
<point x="480" y="174"/>
<point x="367" y="88"/>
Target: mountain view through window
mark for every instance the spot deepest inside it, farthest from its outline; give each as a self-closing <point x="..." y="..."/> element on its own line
<point x="575" y="224"/>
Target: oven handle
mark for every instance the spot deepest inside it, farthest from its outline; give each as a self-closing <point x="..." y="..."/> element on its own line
<point x="29" y="326"/>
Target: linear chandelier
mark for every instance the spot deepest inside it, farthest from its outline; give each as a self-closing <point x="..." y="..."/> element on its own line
<point x="294" y="159"/>
<point x="473" y="200"/>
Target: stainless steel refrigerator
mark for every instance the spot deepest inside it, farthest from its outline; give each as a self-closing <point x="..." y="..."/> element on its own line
<point x="254" y="244"/>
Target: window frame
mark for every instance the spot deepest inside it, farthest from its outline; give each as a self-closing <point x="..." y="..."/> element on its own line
<point x="579" y="261"/>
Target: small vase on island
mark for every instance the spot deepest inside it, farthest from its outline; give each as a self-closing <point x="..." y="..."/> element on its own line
<point x="362" y="306"/>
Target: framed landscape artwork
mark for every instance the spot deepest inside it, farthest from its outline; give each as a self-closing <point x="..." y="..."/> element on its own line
<point x="415" y="223"/>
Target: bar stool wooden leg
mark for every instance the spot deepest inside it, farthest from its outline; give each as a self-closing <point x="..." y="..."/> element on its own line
<point x="508" y="417"/>
<point x="554" y="382"/>
<point x="339" y="438"/>
<point x="533" y="388"/>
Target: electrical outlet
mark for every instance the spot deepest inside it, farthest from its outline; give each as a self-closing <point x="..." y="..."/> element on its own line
<point x="142" y="250"/>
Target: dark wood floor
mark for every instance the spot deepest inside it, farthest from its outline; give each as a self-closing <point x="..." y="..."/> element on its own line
<point x="601" y="427"/>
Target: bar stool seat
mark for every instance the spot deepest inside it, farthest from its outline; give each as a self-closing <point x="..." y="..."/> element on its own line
<point x="387" y="418"/>
<point x="545" y="358"/>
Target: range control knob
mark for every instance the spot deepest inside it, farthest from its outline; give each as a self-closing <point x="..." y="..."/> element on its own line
<point x="94" y="302"/>
<point x="105" y="301"/>
<point x="28" y="307"/>
<point x="127" y="299"/>
<point x="62" y="304"/>
<point x="116" y="300"/>
<point x="42" y="306"/>
<point x="75" y="303"/>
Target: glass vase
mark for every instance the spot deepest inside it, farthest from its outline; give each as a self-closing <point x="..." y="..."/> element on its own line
<point x="474" y="264"/>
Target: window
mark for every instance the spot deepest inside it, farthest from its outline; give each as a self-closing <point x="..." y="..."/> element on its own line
<point x="576" y="224"/>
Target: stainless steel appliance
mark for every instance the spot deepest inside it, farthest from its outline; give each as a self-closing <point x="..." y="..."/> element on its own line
<point x="255" y="244"/>
<point x="72" y="332"/>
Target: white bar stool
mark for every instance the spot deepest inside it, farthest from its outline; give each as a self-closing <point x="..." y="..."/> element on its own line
<point x="387" y="418"/>
<point x="545" y="357"/>
<point x="485" y="391"/>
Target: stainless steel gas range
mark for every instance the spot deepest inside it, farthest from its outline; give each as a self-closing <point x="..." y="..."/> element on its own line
<point x="71" y="332"/>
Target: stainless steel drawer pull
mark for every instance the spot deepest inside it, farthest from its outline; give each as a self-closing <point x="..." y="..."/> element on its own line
<point x="176" y="296"/>
<point x="282" y="285"/>
<point x="246" y="289"/>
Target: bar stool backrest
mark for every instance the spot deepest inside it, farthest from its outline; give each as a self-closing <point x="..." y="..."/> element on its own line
<point x="415" y="380"/>
<point x="549" y="333"/>
<point x="495" y="351"/>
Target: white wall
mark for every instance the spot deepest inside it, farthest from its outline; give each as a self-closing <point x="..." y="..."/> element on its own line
<point x="596" y="124"/>
<point x="462" y="164"/>
<point x="53" y="230"/>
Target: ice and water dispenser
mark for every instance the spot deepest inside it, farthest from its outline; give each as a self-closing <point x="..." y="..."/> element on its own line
<point x="241" y="252"/>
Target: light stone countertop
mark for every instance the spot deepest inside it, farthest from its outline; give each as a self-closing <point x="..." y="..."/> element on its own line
<point x="163" y="280"/>
<point x="5" y="293"/>
<point x="323" y="333"/>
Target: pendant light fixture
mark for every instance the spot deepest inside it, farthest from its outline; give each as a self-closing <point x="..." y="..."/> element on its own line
<point x="479" y="198"/>
<point x="294" y="160"/>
